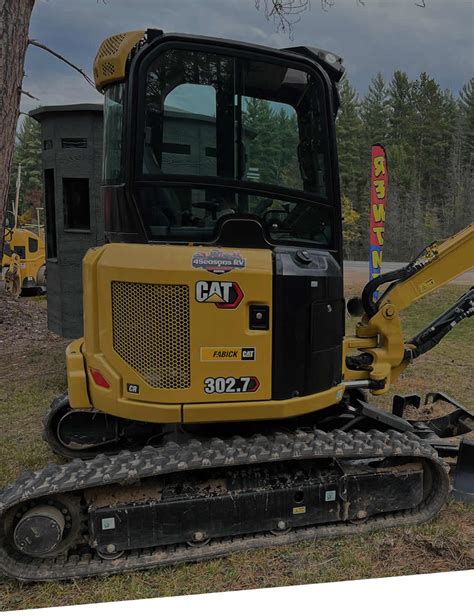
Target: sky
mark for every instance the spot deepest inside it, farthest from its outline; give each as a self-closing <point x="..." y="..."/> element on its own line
<point x="383" y="35"/>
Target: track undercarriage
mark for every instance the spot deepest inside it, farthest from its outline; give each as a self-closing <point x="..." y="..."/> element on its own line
<point x="86" y="433"/>
<point x="194" y="496"/>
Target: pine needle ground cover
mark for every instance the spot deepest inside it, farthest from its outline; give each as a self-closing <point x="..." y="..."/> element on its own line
<point x="32" y="373"/>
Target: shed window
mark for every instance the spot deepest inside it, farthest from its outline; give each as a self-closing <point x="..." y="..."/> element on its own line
<point x="49" y="200"/>
<point x="76" y="203"/>
<point x="74" y="142"/>
<point x="48" y="144"/>
<point x="176" y="148"/>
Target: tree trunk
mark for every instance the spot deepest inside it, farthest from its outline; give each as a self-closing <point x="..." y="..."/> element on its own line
<point x="14" y="23"/>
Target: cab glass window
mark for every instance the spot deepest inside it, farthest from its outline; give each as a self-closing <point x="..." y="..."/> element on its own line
<point x="193" y="214"/>
<point x="113" y="122"/>
<point x="247" y="120"/>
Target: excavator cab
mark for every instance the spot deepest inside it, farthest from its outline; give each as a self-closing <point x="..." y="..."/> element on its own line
<point x="194" y="135"/>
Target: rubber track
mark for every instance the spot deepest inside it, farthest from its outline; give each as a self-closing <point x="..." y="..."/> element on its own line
<point x="213" y="453"/>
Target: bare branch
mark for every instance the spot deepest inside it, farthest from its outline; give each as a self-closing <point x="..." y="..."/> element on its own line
<point x="30" y="95"/>
<point x="285" y="13"/>
<point x="282" y="11"/>
<point x="327" y="4"/>
<point x="63" y="59"/>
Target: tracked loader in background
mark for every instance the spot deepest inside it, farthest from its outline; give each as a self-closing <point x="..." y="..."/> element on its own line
<point x="214" y="403"/>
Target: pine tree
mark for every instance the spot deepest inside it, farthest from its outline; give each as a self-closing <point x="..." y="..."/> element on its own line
<point x="433" y="141"/>
<point x="454" y="215"/>
<point x="465" y="210"/>
<point x="28" y="154"/>
<point x="401" y="156"/>
<point x="286" y="166"/>
<point x="400" y="98"/>
<point x="350" y="227"/>
<point x="349" y="140"/>
<point x="375" y="111"/>
<point x="466" y="106"/>
<point x="272" y="143"/>
<point x="263" y="147"/>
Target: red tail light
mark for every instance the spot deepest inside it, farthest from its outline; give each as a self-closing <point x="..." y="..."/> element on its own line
<point x="99" y="379"/>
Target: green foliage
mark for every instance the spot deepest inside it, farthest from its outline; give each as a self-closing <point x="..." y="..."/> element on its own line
<point x="28" y="154"/>
<point x="350" y="140"/>
<point x="466" y="106"/>
<point x="401" y="118"/>
<point x="350" y="227"/>
<point x="272" y="140"/>
<point x="429" y="139"/>
<point x="375" y="111"/>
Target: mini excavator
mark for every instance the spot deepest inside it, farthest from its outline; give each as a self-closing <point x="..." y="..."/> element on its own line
<point x="214" y="403"/>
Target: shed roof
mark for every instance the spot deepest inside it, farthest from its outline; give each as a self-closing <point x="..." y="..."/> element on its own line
<point x="40" y="112"/>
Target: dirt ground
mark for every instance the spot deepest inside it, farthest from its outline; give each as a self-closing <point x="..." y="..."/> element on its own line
<point x="23" y="329"/>
<point x="32" y="372"/>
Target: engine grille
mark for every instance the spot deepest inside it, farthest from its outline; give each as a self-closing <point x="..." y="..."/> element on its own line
<point x="151" y="331"/>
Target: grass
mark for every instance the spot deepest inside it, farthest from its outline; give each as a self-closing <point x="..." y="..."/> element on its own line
<point x="445" y="544"/>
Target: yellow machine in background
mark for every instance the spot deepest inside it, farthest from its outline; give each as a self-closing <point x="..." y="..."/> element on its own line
<point x="24" y="262"/>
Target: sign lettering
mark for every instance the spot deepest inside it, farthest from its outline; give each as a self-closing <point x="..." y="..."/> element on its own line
<point x="378" y="207"/>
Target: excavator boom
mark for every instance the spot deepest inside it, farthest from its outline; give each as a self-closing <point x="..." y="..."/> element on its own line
<point x="379" y="337"/>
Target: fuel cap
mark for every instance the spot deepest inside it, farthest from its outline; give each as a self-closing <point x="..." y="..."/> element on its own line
<point x="304" y="257"/>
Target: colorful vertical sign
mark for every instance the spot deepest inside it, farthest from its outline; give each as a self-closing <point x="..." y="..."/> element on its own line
<point x="378" y="206"/>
